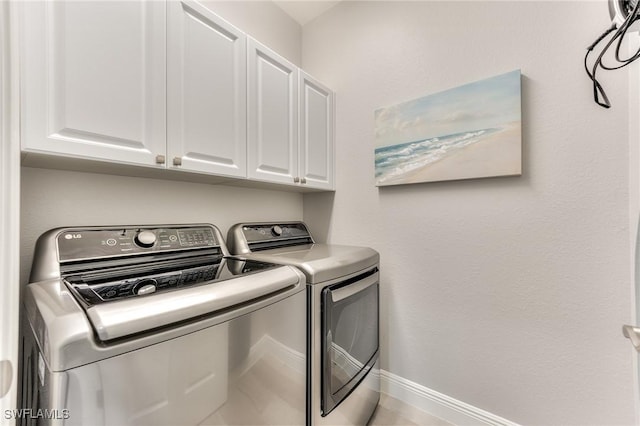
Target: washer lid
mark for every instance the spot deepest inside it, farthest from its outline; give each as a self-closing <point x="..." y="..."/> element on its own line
<point x="70" y="335"/>
<point x="140" y="314"/>
<point x="321" y="262"/>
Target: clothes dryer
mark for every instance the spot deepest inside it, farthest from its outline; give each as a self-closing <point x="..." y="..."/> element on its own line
<point x="343" y="316"/>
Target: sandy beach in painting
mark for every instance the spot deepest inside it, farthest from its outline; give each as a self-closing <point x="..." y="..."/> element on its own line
<point x="496" y="154"/>
<point x="470" y="131"/>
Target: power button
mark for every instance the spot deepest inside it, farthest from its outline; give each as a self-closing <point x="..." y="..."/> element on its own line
<point x="145" y="239"/>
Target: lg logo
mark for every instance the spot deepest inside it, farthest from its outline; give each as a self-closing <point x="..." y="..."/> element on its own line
<point x="72" y="236"/>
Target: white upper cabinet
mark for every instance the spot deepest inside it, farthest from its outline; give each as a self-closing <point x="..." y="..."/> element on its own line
<point x="93" y="79"/>
<point x="316" y="134"/>
<point x="206" y="89"/>
<point x="289" y="121"/>
<point x="169" y="84"/>
<point x="272" y="117"/>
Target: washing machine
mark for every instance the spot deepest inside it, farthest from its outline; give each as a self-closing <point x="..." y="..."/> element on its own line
<point x="343" y="316"/>
<point x="156" y="325"/>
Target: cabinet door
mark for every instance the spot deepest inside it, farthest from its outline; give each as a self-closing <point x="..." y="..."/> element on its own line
<point x="206" y="92"/>
<point x="316" y="134"/>
<point x="94" y="80"/>
<point x="272" y="121"/>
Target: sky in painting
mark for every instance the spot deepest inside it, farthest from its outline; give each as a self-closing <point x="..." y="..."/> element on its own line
<point x="480" y="105"/>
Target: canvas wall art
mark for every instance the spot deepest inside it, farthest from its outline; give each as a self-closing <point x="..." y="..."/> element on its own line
<point x="471" y="131"/>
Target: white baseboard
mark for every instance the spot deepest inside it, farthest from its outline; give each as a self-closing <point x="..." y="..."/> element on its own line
<point x="436" y="403"/>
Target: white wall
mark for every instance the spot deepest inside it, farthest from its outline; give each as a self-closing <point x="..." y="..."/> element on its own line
<point x="507" y="293"/>
<point x="54" y="198"/>
<point x="265" y="22"/>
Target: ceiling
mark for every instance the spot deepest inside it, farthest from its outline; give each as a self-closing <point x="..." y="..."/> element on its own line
<point x="304" y="11"/>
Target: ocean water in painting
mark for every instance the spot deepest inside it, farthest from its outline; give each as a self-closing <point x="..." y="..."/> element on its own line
<point x="394" y="161"/>
<point x="473" y="130"/>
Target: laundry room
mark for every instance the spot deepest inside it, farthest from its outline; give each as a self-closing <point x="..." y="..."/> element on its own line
<point x="492" y="289"/>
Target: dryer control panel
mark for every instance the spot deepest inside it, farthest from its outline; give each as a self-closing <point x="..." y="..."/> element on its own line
<point x="244" y="238"/>
<point x="266" y="232"/>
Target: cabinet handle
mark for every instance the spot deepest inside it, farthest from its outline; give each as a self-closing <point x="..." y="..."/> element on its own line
<point x="177" y="161"/>
<point x="296" y="179"/>
<point x="160" y="159"/>
<point x="303" y="181"/>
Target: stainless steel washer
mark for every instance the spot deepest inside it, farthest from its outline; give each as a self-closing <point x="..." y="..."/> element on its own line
<point x="156" y="325"/>
<point x="343" y="316"/>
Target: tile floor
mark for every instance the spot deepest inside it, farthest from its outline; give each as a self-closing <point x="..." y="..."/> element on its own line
<point x="393" y="412"/>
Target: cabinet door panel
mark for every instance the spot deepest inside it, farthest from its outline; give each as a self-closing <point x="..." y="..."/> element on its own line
<point x="206" y="91"/>
<point x="316" y="133"/>
<point x="93" y="79"/>
<point x="272" y="116"/>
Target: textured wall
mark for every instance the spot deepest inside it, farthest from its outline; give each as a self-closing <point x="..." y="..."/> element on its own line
<point x="265" y="22"/>
<point x="53" y="198"/>
<point x="506" y="293"/>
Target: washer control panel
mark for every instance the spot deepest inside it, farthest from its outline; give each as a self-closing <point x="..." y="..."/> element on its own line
<point x="81" y="244"/>
<point x="141" y="286"/>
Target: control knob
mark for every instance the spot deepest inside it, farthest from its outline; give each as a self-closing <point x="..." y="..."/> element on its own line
<point x="145" y="239"/>
<point x="276" y="230"/>
<point x="146" y="286"/>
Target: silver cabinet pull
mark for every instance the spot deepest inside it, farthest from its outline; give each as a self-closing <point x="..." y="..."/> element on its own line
<point x="303" y="180"/>
<point x="296" y="179"/>
<point x="633" y="334"/>
<point x="177" y="161"/>
<point x="160" y="159"/>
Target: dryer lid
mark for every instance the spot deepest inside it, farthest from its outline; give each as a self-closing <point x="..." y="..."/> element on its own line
<point x="321" y="262"/>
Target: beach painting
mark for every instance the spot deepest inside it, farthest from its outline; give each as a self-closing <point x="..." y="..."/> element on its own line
<point x="471" y="131"/>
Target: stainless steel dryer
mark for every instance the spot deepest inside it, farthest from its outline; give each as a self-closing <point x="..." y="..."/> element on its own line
<point x="155" y="325"/>
<point x="343" y="316"/>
